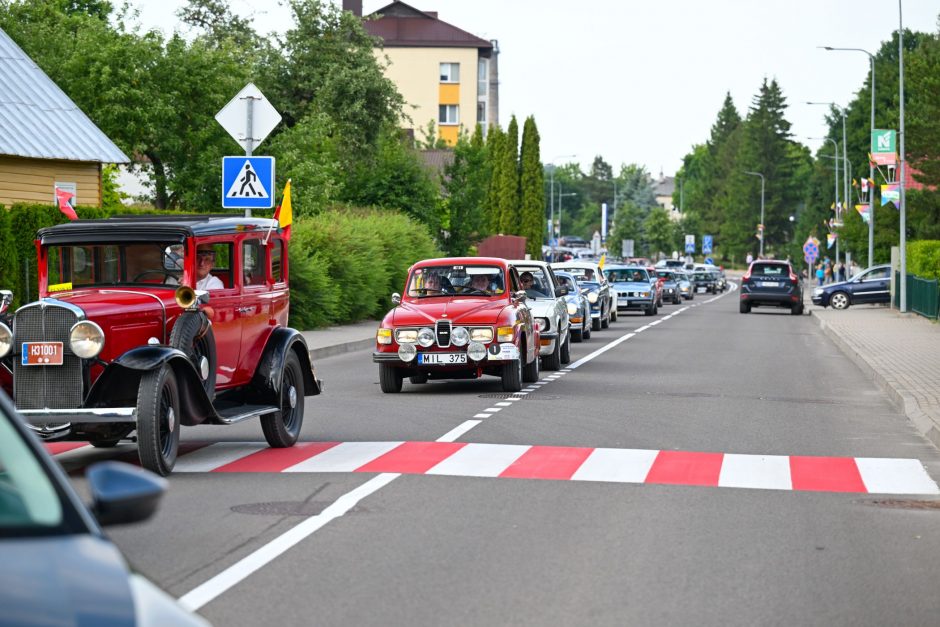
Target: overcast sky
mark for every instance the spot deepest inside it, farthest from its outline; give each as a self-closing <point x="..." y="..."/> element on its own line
<point x="641" y="82"/>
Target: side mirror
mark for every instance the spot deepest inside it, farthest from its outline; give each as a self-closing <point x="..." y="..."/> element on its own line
<point x="396" y="298"/>
<point x="520" y="296"/>
<point x="122" y="493"/>
<point x="6" y="297"/>
<point x="562" y="290"/>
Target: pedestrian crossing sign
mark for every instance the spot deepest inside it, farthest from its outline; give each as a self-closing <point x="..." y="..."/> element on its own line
<point x="247" y="182"/>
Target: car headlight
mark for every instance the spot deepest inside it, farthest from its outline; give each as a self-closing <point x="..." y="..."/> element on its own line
<point x="645" y="294"/>
<point x="476" y="351"/>
<point x="541" y="324"/>
<point x="406" y="336"/>
<point x="426" y="337"/>
<point x="6" y="340"/>
<point x="592" y="297"/>
<point x="383" y="336"/>
<point x="483" y="334"/>
<point x="505" y="334"/>
<point x="572" y="309"/>
<point x="86" y="339"/>
<point x="459" y="336"/>
<point x="818" y="291"/>
<point x="407" y="352"/>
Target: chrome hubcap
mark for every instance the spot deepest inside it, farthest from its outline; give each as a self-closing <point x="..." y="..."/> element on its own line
<point x="292" y="397"/>
<point x="171" y="419"/>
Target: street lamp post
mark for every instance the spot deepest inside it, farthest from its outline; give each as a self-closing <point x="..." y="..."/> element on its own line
<point x="903" y="208"/>
<point x="871" y="166"/>
<point x="762" y="226"/>
<point x="845" y="161"/>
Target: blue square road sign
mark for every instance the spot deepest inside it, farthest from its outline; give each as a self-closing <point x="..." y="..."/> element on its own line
<point x="247" y="182"/>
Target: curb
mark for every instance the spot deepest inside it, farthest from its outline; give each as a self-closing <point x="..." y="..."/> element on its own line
<point x="903" y="401"/>
<point x="338" y="349"/>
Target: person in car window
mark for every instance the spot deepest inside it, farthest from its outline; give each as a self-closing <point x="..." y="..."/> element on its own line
<point x="480" y="282"/>
<point x="588" y="275"/>
<point x="205" y="260"/>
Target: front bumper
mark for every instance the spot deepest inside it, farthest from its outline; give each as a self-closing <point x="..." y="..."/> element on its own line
<point x="634" y="304"/>
<point x="547" y="343"/>
<point x="772" y="299"/>
<point x="497" y="353"/>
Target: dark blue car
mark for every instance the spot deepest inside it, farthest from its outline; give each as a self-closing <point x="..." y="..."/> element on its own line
<point x="868" y="286"/>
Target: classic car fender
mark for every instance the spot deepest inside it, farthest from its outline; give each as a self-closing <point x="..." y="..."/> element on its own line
<point x="266" y="382"/>
<point x="118" y="384"/>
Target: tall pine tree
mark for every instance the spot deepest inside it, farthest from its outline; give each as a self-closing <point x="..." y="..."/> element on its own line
<point x="495" y="142"/>
<point x="509" y="218"/>
<point x="532" y="189"/>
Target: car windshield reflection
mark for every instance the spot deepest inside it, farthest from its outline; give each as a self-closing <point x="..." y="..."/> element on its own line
<point x="456" y="280"/>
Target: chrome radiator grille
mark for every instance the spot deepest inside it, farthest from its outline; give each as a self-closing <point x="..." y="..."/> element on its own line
<point x="39" y="387"/>
<point x="443" y="333"/>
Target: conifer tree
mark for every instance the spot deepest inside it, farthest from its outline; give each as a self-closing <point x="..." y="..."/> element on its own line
<point x="509" y="216"/>
<point x="495" y="141"/>
<point x="532" y="189"/>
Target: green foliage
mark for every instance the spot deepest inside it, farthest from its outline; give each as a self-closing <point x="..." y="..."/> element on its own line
<point x="923" y="258"/>
<point x="111" y="196"/>
<point x="659" y="232"/>
<point x="509" y="215"/>
<point x="922" y="116"/>
<point x="9" y="254"/>
<point x="346" y="263"/>
<point x="532" y="189"/>
<point x="495" y="144"/>
<point x="465" y="186"/>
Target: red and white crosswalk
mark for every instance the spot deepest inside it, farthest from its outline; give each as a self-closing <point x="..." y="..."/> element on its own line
<point x="560" y="463"/>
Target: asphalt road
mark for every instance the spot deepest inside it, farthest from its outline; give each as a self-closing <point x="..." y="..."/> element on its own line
<point x="419" y="549"/>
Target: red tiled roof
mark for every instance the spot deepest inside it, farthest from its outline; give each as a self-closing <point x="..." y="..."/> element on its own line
<point x="401" y="25"/>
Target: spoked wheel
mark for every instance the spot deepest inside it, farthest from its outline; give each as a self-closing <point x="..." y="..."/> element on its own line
<point x="281" y="429"/>
<point x="158" y="425"/>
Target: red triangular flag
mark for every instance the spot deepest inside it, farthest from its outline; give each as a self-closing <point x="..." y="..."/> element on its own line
<point x="64" y="205"/>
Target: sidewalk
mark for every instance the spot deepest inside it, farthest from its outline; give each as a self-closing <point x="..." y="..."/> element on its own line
<point x="337" y="340"/>
<point x="899" y="352"/>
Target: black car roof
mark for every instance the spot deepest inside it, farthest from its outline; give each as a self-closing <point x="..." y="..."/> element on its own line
<point x="151" y="228"/>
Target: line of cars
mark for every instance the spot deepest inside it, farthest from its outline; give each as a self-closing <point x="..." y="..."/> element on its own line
<point x="466" y="317"/>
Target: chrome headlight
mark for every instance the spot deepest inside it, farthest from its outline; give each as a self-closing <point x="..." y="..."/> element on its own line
<point x="476" y="351"/>
<point x="407" y="352"/>
<point x="645" y="294"/>
<point x="572" y="309"/>
<point x="426" y="337"/>
<point x="86" y="339"/>
<point x="592" y="297"/>
<point x="541" y="324"/>
<point x="6" y="340"/>
<point x="459" y="336"/>
<point x="818" y="291"/>
<point x="406" y="336"/>
<point x="484" y="334"/>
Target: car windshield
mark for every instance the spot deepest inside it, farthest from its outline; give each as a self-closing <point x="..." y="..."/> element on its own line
<point x="535" y="282"/>
<point x="581" y="275"/>
<point x="567" y="282"/>
<point x="29" y="501"/>
<point x="627" y="275"/>
<point x="456" y="280"/>
<point x="78" y="265"/>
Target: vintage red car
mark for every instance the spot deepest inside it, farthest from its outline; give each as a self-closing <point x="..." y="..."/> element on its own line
<point x="147" y="323"/>
<point x="459" y="318"/>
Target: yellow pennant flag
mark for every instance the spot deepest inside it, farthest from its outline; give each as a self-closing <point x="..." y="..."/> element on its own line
<point x="600" y="264"/>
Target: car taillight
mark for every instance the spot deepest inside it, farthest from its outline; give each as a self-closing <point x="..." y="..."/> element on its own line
<point x="794" y="278"/>
<point x="747" y="276"/>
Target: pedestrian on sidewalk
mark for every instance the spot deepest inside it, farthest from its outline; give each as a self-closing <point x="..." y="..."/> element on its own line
<point x="841" y="272"/>
<point x="820" y="274"/>
<point x="827" y="271"/>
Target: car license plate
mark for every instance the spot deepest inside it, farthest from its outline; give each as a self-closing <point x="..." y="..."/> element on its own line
<point x="441" y="359"/>
<point x="42" y="353"/>
<point x="700" y="290"/>
<point x="770" y="284"/>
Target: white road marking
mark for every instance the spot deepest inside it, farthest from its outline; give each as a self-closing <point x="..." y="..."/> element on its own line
<point x="345" y="457"/>
<point x="480" y="460"/>
<point x="215" y="455"/>
<point x="602" y="350"/>
<point x="618" y="465"/>
<point x="493" y="410"/>
<point x="767" y="472"/>
<point x="895" y="476"/>
<point x="482" y="415"/>
<point x="503" y="404"/>
<point x="239" y="571"/>
<point x="459" y="430"/>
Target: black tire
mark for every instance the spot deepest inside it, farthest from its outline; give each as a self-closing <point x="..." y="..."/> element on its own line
<point x="183" y="337"/>
<point x="418" y="379"/>
<point x="797" y="310"/>
<point x="613" y="315"/>
<point x="158" y="425"/>
<point x="512" y="374"/>
<point x="744" y="307"/>
<point x="839" y="300"/>
<point x="595" y="324"/>
<point x="605" y="321"/>
<point x="649" y="311"/>
<point x="566" y="349"/>
<point x="282" y="429"/>
<point x="390" y="379"/>
<point x="588" y="327"/>
<point x="553" y="361"/>
<point x="531" y="371"/>
<point x="577" y="335"/>
<point x="104" y="443"/>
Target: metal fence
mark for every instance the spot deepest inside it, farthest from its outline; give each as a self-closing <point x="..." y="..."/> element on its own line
<point x="923" y="295"/>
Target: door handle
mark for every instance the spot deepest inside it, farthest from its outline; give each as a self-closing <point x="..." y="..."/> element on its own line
<point x="244" y="309"/>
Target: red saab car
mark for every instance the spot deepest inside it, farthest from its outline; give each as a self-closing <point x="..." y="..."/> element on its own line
<point x="144" y="324"/>
<point x="459" y="318"/>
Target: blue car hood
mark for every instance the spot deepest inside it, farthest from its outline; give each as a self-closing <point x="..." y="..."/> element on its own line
<point x="79" y="580"/>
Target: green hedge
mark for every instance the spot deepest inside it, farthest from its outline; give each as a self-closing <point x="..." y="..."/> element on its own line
<point x="923" y="258"/>
<point x="344" y="263"/>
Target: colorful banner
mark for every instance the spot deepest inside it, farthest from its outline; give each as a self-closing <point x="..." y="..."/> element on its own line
<point x="891" y="192"/>
<point x="863" y="211"/>
<point x="830" y="239"/>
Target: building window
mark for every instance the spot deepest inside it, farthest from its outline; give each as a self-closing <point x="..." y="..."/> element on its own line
<point x="448" y="114"/>
<point x="483" y="77"/>
<point x="481" y="112"/>
<point x="450" y="72"/>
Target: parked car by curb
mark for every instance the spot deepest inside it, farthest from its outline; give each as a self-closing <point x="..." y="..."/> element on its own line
<point x="872" y="285"/>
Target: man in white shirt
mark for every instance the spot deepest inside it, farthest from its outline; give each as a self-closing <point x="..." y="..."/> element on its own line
<point x="205" y="259"/>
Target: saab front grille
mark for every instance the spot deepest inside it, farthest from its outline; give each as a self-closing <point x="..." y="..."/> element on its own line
<point x="46" y="387"/>
<point x="443" y="333"/>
